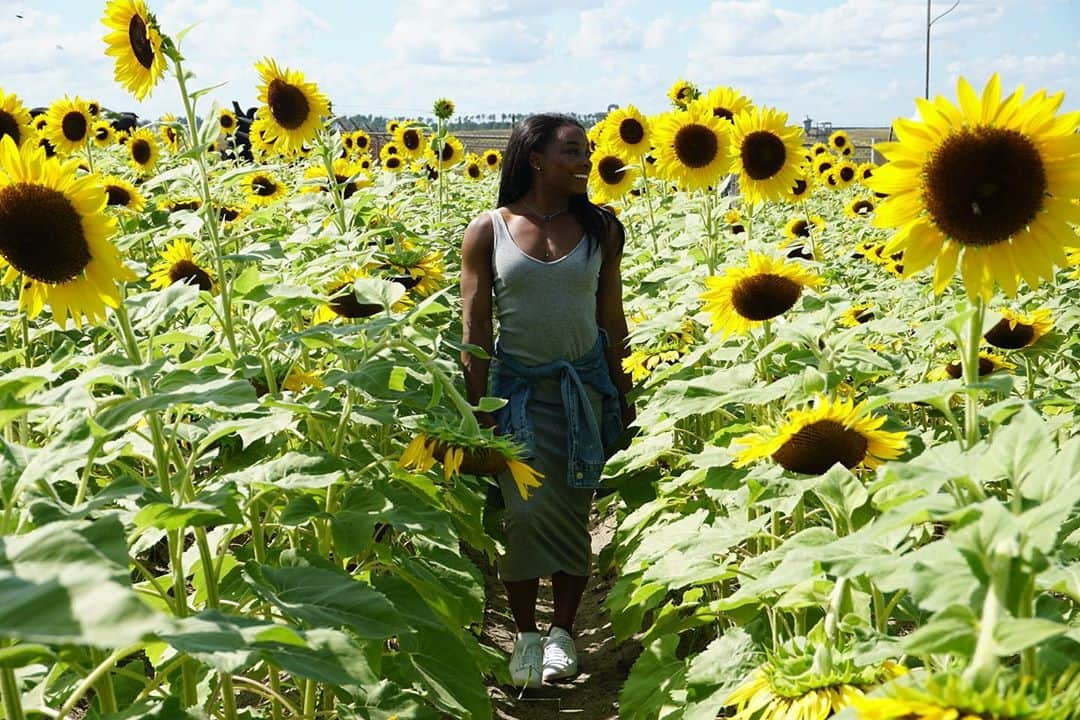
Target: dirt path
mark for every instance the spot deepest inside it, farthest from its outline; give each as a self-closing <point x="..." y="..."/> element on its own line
<point x="604" y="664"/>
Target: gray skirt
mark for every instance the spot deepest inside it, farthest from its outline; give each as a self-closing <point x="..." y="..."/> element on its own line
<point x="549" y="531"/>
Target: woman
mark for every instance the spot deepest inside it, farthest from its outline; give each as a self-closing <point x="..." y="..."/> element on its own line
<point x="550" y="259"/>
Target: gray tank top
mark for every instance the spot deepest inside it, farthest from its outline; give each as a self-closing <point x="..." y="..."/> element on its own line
<point x="546" y="310"/>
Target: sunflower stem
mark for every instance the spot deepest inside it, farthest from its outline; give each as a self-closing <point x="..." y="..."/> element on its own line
<point x="9" y="689"/>
<point x="331" y="181"/>
<point x="648" y="204"/>
<point x="90" y="155"/>
<point x="971" y="374"/>
<point x="468" y="419"/>
<point x="208" y="207"/>
<point x="92" y="679"/>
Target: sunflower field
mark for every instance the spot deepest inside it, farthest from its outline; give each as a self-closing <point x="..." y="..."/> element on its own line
<point x="238" y="471"/>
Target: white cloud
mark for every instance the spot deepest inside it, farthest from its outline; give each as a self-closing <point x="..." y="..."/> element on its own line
<point x="606" y="31"/>
<point x="658" y="31"/>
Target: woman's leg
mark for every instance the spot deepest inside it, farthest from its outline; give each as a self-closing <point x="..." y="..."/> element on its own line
<point x="521" y="596"/>
<point x="566" y="592"/>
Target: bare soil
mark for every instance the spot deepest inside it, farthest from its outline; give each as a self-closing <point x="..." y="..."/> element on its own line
<point x="603" y="664"/>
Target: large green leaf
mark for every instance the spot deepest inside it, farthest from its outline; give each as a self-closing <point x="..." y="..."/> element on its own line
<point x="207" y="509"/>
<point x="655" y="675"/>
<point x="716" y="671"/>
<point x="68" y="582"/>
<point x="206" y="388"/>
<point x="227" y="643"/>
<point x="325" y="598"/>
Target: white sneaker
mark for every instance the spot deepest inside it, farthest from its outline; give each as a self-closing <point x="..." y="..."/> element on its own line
<point x="526" y="662"/>
<point x="560" y="655"/>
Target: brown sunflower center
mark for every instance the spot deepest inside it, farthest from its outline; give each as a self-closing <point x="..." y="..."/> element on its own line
<point x="140" y="151"/>
<point x="763" y="154"/>
<point x="411" y="140"/>
<point x="862" y="207"/>
<point x="41" y="233"/>
<point x="74" y="126"/>
<point x="491" y="159"/>
<point x="227" y="121"/>
<point x="8" y="126"/>
<point x="631" y="131"/>
<point x="696" y="145"/>
<point x="263" y="186"/>
<point x="474" y="171"/>
<point x="47" y="146"/>
<point x="117" y="195"/>
<point x="346" y="305"/>
<point x="863" y="316"/>
<point x="867" y="173"/>
<point x="101" y="133"/>
<point x="190" y="273"/>
<point x="177" y="205"/>
<point x="1002" y="336"/>
<point x="394" y="163"/>
<point x="839" y="141"/>
<point x="847" y="173"/>
<point x="800" y="187"/>
<point x="800" y="228"/>
<point x="447" y="153"/>
<point x="956" y="370"/>
<point x="818" y="446"/>
<point x="984" y="185"/>
<point x="361" y="142"/>
<point x="722" y="112"/>
<point x="140" y="42"/>
<point x="764" y="296"/>
<point x="228" y="214"/>
<point x="609" y="170"/>
<point x="288" y="104"/>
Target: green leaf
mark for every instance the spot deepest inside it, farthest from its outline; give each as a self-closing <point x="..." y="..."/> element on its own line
<point x="299" y="510"/>
<point x="1011" y="635"/>
<point x="375" y="291"/>
<point x="206" y="510"/>
<point x="841" y="493"/>
<point x="13" y="658"/>
<point x="716" y="671"/>
<point x="227" y="643"/>
<point x="953" y="630"/>
<point x="207" y="388"/>
<point x="68" y="582"/>
<point x="490" y="404"/>
<point x="328" y="656"/>
<point x="397" y="378"/>
<point x="168" y="709"/>
<point x="1019" y="450"/>
<point x="326" y="598"/>
<point x="654" y="676"/>
<point x="292" y="471"/>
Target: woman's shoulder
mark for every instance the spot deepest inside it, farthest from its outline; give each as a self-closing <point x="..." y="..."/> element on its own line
<point x="480" y="231"/>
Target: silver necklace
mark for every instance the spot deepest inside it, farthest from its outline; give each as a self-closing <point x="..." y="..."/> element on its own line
<point x="546" y="219"/>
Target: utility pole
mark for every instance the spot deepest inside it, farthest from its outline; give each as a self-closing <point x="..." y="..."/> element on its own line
<point x="929" y="23"/>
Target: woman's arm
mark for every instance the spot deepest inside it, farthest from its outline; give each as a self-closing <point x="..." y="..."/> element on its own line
<point x="610" y="316"/>
<point x="476" y="325"/>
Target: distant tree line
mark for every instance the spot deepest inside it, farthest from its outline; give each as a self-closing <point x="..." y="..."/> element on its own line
<point x="480" y="121"/>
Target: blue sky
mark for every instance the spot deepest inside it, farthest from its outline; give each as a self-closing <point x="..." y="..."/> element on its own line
<point x="853" y="62"/>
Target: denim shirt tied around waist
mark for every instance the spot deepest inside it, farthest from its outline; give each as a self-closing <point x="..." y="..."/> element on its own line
<point x="585" y="442"/>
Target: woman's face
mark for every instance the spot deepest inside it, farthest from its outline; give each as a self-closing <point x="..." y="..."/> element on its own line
<point x="564" y="164"/>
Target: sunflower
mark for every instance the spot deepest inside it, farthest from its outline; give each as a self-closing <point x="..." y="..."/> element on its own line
<point x="746" y="296"/>
<point x="492" y="159"/>
<point x="611" y="176"/>
<point x="770" y="694"/>
<point x="416" y="269"/>
<point x="135" y="42"/>
<point x="262" y="188"/>
<point x="627" y="132"/>
<point x="474" y="170"/>
<point x="54" y="234"/>
<point x="178" y="264"/>
<point x="986" y="184"/>
<point x="682" y="93"/>
<point x="801" y="188"/>
<point x="170" y="136"/>
<point x="847" y="173"/>
<point x="122" y="194"/>
<point x="839" y="142"/>
<point x="799" y="228"/>
<point x="298" y="380"/>
<point x="364" y="162"/>
<point x="189" y="203"/>
<point x="443" y="108"/>
<point x="452" y="153"/>
<point x="390" y="149"/>
<point x="989" y="363"/>
<point x="857" y="315"/>
<point x="823" y="164"/>
<point x="948" y="696"/>
<point x="765" y="153"/>
<point x="344" y="303"/>
<point x="1018" y="330"/>
<point x="411" y="141"/>
<point x="819" y="148"/>
<point x="392" y="126"/>
<point x="347" y="175"/>
<point x="142" y="151"/>
<point x="227" y="121"/>
<point x="726" y="103"/>
<point x="394" y="163"/>
<point x="361" y="140"/>
<point x="859" y="207"/>
<point x="68" y="127"/>
<point x="292" y="108"/>
<point x="831" y="180"/>
<point x="734" y="220"/>
<point x="230" y="213"/>
<point x="812" y="440"/>
<point x="14" y="118"/>
<point x="595" y="135"/>
<point x="102" y="133"/>
<point x="866" y="171"/>
<point x="692" y="147"/>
